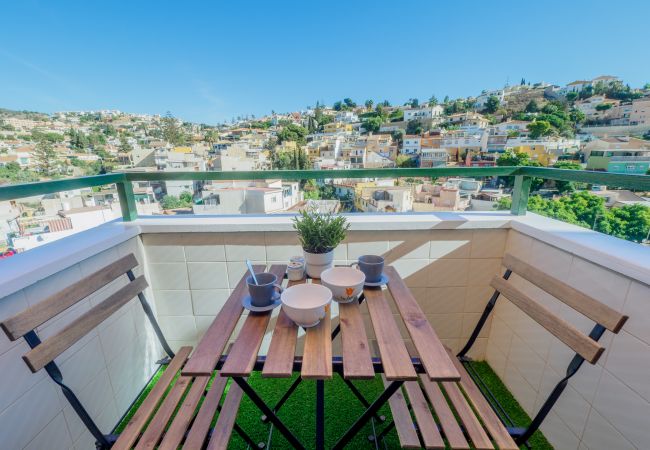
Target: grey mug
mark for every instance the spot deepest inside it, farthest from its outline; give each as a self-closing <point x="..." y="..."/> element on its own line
<point x="262" y="293"/>
<point x="372" y="266"/>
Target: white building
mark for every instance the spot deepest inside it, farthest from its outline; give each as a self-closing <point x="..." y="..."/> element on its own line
<point x="424" y="112"/>
<point x="412" y="145"/>
<point x="346" y="117"/>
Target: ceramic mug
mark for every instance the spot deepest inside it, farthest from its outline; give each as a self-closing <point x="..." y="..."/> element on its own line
<point x="372" y="266"/>
<point x="262" y="294"/>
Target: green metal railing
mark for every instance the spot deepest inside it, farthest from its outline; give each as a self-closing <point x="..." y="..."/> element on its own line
<point x="523" y="178"/>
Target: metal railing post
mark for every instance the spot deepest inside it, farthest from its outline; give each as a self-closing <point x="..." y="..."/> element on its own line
<point x="127" y="200"/>
<point x="520" y="195"/>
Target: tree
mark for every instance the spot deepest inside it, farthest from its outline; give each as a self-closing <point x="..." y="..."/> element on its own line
<point x="45" y="158"/>
<point x="349" y="103"/>
<point x="172" y="132"/>
<point x="211" y="137"/>
<point x="413" y="102"/>
<point x="338" y="106"/>
<point x="532" y="107"/>
<point x="445" y="100"/>
<point x="492" y="104"/>
<point x="523" y="81"/>
<point x="572" y="97"/>
<point x="414" y="127"/>
<point x="292" y="132"/>
<point x="372" y="124"/>
<point x="125" y="147"/>
<point x="185" y="197"/>
<point x="433" y="101"/>
<point x="398" y="136"/>
<point x="369" y="104"/>
<point x="566" y="186"/>
<point x="510" y="159"/>
<point x="404" y="161"/>
<point x="539" y="128"/>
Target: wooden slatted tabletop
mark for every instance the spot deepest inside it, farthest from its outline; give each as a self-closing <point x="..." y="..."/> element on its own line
<point x="317" y="354"/>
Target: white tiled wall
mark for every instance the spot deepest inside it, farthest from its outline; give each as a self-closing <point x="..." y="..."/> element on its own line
<point x="192" y="274"/>
<point x="106" y="369"/>
<point x="606" y="406"/>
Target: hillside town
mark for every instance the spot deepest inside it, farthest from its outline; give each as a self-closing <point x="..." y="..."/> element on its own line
<point x="599" y="124"/>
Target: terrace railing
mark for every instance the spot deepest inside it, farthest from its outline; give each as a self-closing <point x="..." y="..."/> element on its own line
<point x="523" y="178"/>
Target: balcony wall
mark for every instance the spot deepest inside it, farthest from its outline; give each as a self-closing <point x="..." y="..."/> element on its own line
<point x="607" y="405"/>
<point x="106" y="369"/>
<point x="448" y="271"/>
<point x="447" y="260"/>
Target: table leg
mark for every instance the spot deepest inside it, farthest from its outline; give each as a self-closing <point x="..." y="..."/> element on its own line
<point x="320" y="414"/>
<point x="365" y="417"/>
<point x="284" y="398"/>
<point x="275" y="420"/>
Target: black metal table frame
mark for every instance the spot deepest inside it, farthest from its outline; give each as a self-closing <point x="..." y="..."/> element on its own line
<point x="270" y="414"/>
<point x="337" y="365"/>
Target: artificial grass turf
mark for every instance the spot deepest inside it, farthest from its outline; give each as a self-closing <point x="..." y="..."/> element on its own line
<point x="341" y="410"/>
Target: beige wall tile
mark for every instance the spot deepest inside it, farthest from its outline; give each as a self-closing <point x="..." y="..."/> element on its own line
<point x="496" y="359"/>
<point x="54" y="436"/>
<point x="440" y="300"/>
<point x="599" y="434"/>
<point x="637" y="307"/>
<point x="629" y="361"/>
<point x="413" y="271"/>
<point x="450" y="244"/>
<point x="549" y="259"/>
<point x="208" y="302"/>
<point x="518" y="244"/>
<point x="205" y="253"/>
<point x="623" y="408"/>
<point x="517" y="384"/>
<point x="556" y="431"/>
<point x="237" y="269"/>
<point x="477" y="298"/>
<point x="18" y="432"/>
<point x="165" y="253"/>
<point x="412" y="245"/>
<point x="602" y="284"/>
<point x="481" y="271"/>
<point x="173" y="303"/>
<point x="243" y="246"/>
<point x="527" y="362"/>
<point x="9" y="307"/>
<point x="178" y="328"/>
<point x="168" y="276"/>
<point x="488" y="243"/>
<point x="207" y="275"/>
<point x="447" y="272"/>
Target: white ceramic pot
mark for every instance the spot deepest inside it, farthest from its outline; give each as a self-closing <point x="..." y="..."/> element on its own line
<point x="316" y="263"/>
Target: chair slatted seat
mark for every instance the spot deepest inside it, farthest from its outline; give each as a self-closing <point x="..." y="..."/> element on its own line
<point x="462" y="426"/>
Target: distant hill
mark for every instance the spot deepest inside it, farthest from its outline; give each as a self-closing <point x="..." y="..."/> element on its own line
<point x="32" y="115"/>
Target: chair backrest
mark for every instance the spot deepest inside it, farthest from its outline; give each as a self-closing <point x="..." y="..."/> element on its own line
<point x="45" y="352"/>
<point x="600" y="313"/>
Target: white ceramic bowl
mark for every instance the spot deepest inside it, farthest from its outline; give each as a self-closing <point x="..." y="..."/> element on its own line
<point x="345" y="283"/>
<point x="305" y="303"/>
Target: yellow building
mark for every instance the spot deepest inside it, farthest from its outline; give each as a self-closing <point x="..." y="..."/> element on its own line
<point x="536" y="152"/>
<point x="334" y="127"/>
<point x="182" y="149"/>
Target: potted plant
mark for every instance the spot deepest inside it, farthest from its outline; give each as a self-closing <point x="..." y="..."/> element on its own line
<point x="319" y="235"/>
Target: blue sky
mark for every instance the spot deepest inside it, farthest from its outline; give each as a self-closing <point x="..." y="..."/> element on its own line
<point x="208" y="61"/>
